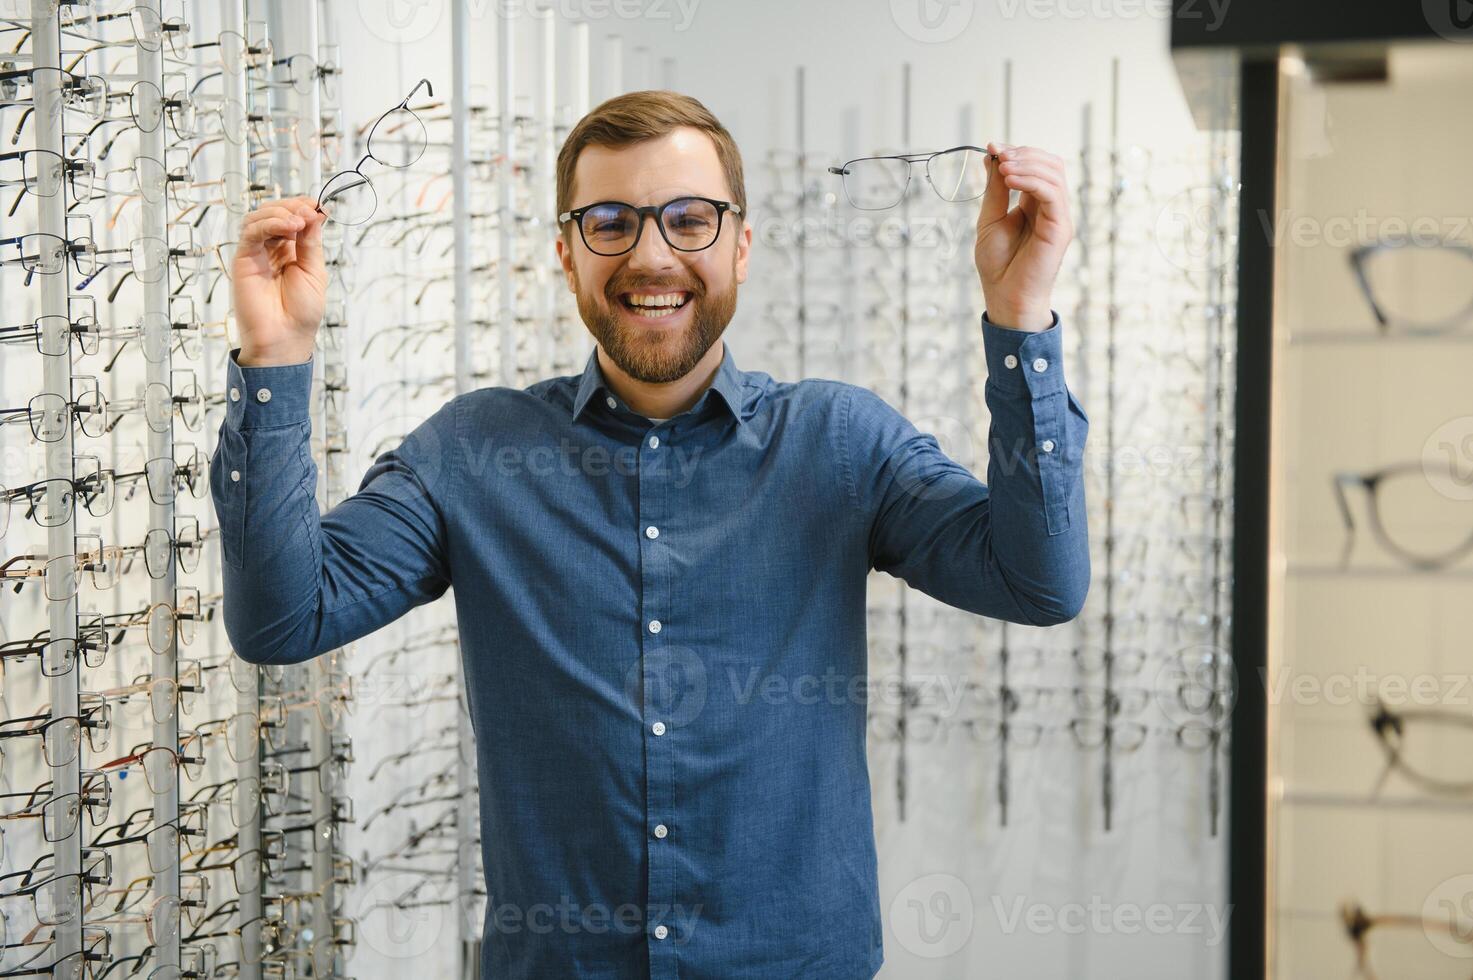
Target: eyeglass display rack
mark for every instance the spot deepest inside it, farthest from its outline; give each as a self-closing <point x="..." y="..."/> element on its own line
<point x="1159" y="597"/>
<point x="1348" y="805"/>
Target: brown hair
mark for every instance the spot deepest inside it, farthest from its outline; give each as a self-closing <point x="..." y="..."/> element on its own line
<point x="638" y="116"/>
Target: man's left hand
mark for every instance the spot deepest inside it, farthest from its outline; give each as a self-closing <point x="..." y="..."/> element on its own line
<point x="1019" y="250"/>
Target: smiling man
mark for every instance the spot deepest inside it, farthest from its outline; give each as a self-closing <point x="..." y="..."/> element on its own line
<point x="663" y="636"/>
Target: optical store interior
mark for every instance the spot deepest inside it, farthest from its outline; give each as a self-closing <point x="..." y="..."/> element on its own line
<point x="1247" y="757"/>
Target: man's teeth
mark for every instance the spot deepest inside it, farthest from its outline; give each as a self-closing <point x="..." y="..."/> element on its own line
<point x="654" y="307"/>
<point x="661" y="299"/>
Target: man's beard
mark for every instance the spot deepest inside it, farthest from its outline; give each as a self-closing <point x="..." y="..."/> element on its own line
<point x="672" y="356"/>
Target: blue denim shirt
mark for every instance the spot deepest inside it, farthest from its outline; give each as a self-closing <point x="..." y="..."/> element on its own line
<point x="663" y="630"/>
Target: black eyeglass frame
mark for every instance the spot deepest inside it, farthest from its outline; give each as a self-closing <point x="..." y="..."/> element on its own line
<point x="655" y="211"/>
<point x="1361" y="257"/>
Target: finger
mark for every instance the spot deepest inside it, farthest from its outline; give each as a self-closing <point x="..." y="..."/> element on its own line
<point x="1032" y="161"/>
<point x="283" y="252"/>
<point x="309" y="242"/>
<point x="1052" y="200"/>
<point x="281" y="202"/>
<point x="266" y="212"/>
<point x="995" y="197"/>
<point x="1032" y="153"/>
<point x="268" y="229"/>
<point x="1032" y="168"/>
<point x="305" y="207"/>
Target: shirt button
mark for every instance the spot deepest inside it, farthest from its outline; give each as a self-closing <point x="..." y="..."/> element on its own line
<point x="235" y="394"/>
<point x="610" y="402"/>
<point x="264" y="395"/>
<point x="1048" y="446"/>
<point x="661" y="932"/>
<point x="654" y="626"/>
<point x="235" y="476"/>
<point x="1010" y="361"/>
<point x="654" y="442"/>
<point x="1040" y="365"/>
<point x="652" y="532"/>
<point x="661" y="830"/>
<point x="658" y="728"/>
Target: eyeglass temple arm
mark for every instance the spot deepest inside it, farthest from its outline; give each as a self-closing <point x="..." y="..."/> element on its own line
<point x="424" y="83"/>
<point x="1342" y="500"/>
<point x="1357" y="263"/>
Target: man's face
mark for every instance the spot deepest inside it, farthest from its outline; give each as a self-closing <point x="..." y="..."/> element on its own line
<point x="656" y="345"/>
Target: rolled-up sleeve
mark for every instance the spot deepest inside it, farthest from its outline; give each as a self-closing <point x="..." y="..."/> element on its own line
<point x="1014" y="548"/>
<point x="296" y="582"/>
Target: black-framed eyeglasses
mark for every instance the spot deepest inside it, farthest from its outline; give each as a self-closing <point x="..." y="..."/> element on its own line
<point x="1434" y="754"/>
<point x="881" y="182"/>
<point x="1409" y="517"/>
<point x="1416" y="287"/>
<point x="397" y="139"/>
<point x="688" y="224"/>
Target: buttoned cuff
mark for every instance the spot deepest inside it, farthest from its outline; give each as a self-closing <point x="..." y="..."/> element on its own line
<point x="258" y="397"/>
<point x="1024" y="361"/>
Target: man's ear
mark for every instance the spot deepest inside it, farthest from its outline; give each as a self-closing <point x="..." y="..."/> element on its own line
<point x="743" y="251"/>
<point x="565" y="259"/>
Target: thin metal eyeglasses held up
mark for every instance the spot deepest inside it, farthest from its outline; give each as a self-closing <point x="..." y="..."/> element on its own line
<point x="396" y="139"/>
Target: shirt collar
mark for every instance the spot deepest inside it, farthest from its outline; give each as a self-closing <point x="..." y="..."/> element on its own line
<point x="727" y="384"/>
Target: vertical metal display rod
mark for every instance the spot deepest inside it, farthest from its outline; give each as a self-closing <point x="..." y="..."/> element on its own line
<point x="798" y="240"/>
<point x="60" y="540"/>
<point x="1003" y="650"/>
<point x="1111" y="318"/>
<point x="506" y="206"/>
<point x="321" y="671"/>
<point x="901" y="772"/>
<point x="460" y="184"/>
<point x="544" y="183"/>
<point x="278" y="98"/>
<point x="613" y="66"/>
<point x="247" y="677"/>
<point x="1084" y="369"/>
<point x="641" y="74"/>
<point x="157" y="328"/>
<point x="466" y="816"/>
<point x="1218" y="256"/>
<point x="581" y="91"/>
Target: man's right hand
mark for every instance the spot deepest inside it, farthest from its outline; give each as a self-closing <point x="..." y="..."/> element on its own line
<point x="279" y="282"/>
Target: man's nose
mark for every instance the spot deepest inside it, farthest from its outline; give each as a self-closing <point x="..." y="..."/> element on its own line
<point x="652" y="251"/>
